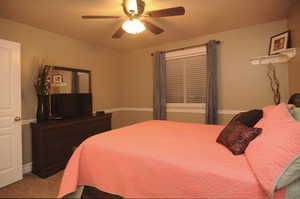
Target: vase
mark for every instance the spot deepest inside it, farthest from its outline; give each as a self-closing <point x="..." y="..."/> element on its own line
<point x="42" y="113"/>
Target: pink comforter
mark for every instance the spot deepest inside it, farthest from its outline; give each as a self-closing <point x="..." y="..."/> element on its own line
<point x="162" y="159"/>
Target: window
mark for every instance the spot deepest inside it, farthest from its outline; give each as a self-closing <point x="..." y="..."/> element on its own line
<point x="186" y="77"/>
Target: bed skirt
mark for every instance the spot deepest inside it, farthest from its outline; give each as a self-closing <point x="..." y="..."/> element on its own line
<point x="87" y="192"/>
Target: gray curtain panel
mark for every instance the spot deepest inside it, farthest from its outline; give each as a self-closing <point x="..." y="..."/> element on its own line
<point x="159" y="87"/>
<point x="212" y="89"/>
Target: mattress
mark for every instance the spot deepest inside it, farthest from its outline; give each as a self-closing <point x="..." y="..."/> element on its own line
<point x="162" y="159"/>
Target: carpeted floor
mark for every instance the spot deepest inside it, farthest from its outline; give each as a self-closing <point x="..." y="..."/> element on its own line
<point x="33" y="187"/>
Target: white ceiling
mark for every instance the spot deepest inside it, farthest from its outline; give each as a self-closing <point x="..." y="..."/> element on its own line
<point x="202" y="17"/>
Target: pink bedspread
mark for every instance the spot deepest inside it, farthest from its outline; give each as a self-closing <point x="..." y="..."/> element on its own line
<point x="162" y="159"/>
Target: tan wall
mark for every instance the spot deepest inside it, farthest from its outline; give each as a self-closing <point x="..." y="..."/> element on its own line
<point x="54" y="49"/>
<point x="241" y="85"/>
<point x="294" y="65"/>
<point x="38" y="45"/>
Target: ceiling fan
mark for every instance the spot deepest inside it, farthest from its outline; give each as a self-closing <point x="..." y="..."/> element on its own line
<point x="136" y="23"/>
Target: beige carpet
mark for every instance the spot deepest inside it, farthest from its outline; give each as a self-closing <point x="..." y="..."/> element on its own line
<point x="33" y="187"/>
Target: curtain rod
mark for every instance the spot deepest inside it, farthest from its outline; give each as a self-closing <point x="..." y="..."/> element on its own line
<point x="184" y="48"/>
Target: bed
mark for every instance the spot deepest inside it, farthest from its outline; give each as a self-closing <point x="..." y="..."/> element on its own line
<point x="162" y="159"/>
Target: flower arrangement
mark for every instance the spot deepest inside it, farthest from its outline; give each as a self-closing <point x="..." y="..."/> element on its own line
<point x="43" y="82"/>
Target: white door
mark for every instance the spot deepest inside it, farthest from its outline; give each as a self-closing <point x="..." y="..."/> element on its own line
<point x="10" y="113"/>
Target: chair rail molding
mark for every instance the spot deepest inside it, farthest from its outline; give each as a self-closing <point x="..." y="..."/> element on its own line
<point x="145" y="109"/>
<point x="173" y="110"/>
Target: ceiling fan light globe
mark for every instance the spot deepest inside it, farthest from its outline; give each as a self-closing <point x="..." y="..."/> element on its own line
<point x="133" y="26"/>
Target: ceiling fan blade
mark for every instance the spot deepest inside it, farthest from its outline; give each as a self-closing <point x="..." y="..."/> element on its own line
<point x="153" y="28"/>
<point x="119" y="33"/>
<point x="125" y="9"/>
<point x="99" y="17"/>
<point x="167" y="12"/>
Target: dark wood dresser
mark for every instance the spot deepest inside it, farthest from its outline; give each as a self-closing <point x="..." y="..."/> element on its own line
<point x="53" y="142"/>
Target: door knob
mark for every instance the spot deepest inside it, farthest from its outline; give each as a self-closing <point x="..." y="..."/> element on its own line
<point x="17" y="119"/>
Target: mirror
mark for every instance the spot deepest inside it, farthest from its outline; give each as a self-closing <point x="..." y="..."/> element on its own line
<point x="70" y="81"/>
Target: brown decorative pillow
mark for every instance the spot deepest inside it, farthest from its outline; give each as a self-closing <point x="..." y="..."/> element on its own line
<point x="249" y="118"/>
<point x="236" y="137"/>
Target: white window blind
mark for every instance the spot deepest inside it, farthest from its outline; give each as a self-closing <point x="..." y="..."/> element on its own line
<point x="187" y="76"/>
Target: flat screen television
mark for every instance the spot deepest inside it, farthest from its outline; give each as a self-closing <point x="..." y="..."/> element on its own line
<point x="71" y="105"/>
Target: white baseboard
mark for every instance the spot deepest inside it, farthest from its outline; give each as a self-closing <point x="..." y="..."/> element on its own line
<point x="27" y="168"/>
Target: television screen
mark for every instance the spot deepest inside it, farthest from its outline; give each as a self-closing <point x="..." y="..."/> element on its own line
<point x="71" y="105"/>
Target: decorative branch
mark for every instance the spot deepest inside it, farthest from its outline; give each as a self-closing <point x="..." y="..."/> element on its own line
<point x="43" y="82"/>
<point x="275" y="84"/>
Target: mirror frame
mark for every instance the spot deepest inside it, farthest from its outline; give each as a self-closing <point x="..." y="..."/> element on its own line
<point x="76" y="70"/>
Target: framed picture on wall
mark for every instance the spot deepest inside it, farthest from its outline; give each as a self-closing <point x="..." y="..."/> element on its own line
<point x="57" y="79"/>
<point x="280" y="43"/>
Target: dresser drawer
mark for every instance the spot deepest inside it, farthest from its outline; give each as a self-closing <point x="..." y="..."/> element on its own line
<point x="99" y="127"/>
<point x="54" y="143"/>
